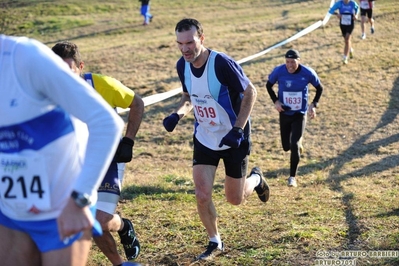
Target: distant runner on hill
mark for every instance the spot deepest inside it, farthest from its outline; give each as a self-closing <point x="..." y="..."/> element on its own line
<point x="348" y="13"/>
<point x="366" y="11"/>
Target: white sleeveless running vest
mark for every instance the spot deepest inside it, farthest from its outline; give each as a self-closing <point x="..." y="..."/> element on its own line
<point x="35" y="179"/>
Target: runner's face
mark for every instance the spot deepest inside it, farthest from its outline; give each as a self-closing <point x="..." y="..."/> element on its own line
<point x="291" y="64"/>
<point x="189" y="44"/>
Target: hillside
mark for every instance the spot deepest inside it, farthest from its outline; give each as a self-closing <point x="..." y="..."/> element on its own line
<point x="347" y="198"/>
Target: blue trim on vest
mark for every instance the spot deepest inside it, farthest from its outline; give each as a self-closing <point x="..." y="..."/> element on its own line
<point x="213" y="82"/>
<point x="214" y="85"/>
<point x="35" y="133"/>
<point x="218" y="91"/>
<point x="187" y="77"/>
<point x="89" y="78"/>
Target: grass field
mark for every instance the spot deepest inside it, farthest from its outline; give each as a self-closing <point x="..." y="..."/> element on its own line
<point x="347" y="198"/>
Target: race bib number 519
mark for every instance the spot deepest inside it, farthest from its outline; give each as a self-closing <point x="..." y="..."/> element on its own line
<point x="24" y="185"/>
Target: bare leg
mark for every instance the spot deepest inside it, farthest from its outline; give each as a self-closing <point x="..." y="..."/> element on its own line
<point x="23" y="252"/>
<point x="74" y="255"/>
<point x="364" y="18"/>
<point x="348" y="44"/>
<point x="106" y="243"/>
<point x="204" y="176"/>
<point x="371" y="20"/>
<point x="239" y="189"/>
<point x="236" y="191"/>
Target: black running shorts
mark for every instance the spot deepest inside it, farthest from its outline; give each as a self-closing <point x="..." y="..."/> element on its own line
<point x="235" y="160"/>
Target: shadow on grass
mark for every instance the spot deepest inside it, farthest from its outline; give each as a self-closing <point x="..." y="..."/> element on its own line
<point x="132" y="192"/>
<point x="394" y="212"/>
<point x="359" y="149"/>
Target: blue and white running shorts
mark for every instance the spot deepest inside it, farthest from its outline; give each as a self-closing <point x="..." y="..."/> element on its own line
<point x="45" y="233"/>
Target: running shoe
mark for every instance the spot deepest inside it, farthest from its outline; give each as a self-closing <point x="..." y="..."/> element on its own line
<point x="129" y="241"/>
<point x="292" y="181"/>
<point x="372" y="30"/>
<point x="351" y="53"/>
<point x="262" y="189"/>
<point x="363" y="36"/>
<point x="211" y="251"/>
<point x="345" y="61"/>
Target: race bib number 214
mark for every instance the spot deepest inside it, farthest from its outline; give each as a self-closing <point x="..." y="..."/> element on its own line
<point x="24" y="184"/>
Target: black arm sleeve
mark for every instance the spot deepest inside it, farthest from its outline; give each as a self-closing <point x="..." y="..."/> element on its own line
<point x="272" y="94"/>
<point x="319" y="91"/>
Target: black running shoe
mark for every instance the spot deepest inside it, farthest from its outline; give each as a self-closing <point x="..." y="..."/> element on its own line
<point x="211" y="251"/>
<point x="129" y="241"/>
<point x="262" y="189"/>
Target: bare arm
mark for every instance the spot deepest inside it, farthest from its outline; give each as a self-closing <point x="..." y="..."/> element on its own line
<point x="135" y="117"/>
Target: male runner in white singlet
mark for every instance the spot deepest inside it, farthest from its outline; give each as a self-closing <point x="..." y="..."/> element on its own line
<point x="48" y="189"/>
<point x="222" y="97"/>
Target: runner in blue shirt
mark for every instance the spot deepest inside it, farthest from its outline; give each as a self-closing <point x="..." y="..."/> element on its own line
<point x="292" y="103"/>
<point x="348" y="12"/>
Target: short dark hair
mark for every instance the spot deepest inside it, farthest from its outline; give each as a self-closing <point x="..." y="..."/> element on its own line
<point x="67" y="50"/>
<point x="187" y="23"/>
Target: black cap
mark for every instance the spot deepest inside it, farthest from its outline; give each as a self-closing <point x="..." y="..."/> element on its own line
<point x="294" y="54"/>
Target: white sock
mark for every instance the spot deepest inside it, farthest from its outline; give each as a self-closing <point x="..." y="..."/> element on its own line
<point x="256" y="177"/>
<point x="216" y="239"/>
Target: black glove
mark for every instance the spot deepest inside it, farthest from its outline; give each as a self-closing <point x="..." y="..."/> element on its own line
<point x="233" y="138"/>
<point x="124" y="153"/>
<point x="171" y="121"/>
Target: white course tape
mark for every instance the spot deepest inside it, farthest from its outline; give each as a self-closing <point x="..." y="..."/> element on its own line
<point x="165" y="95"/>
<point x="292" y="38"/>
<point x="153" y="99"/>
<point x="326" y="18"/>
